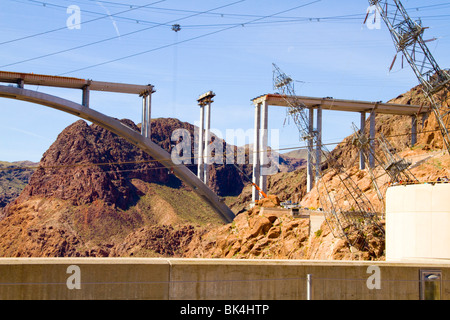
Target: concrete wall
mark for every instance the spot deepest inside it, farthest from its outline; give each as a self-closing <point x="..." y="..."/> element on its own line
<point x="418" y="222"/>
<point x="179" y="279"/>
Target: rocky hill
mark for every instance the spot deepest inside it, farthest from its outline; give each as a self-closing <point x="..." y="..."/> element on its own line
<point x="258" y="235"/>
<point x="92" y="189"/>
<point x="14" y="176"/>
<point x="87" y="164"/>
<point x="95" y="194"/>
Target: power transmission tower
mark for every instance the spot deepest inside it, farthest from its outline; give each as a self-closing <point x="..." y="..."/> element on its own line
<point x="408" y="39"/>
<point x="395" y="166"/>
<point x="387" y="162"/>
<point x="345" y="207"/>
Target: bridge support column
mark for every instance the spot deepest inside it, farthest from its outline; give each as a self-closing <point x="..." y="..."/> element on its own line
<point x="86" y="96"/>
<point x="146" y="129"/>
<point x="372" y="138"/>
<point x="256" y="150"/>
<point x="263" y="152"/>
<point x="310" y="171"/>
<point x="204" y="152"/>
<point x="207" y="154"/>
<point x="413" y="130"/>
<point x="149" y="116"/>
<point x="201" y="144"/>
<point x="362" y="129"/>
<point x="319" y="143"/>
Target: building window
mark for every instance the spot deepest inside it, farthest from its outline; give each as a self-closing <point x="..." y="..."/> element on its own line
<point x="430" y="284"/>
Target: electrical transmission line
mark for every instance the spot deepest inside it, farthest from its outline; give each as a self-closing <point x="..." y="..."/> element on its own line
<point x="190" y="39"/>
<point x="116" y="37"/>
<point x="102" y="16"/>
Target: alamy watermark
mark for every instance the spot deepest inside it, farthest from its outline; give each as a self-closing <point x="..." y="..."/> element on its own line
<point x="373" y="18"/>
<point x="74" y="20"/>
<point x="74" y="280"/>
<point x="374" y="280"/>
<point x="216" y="151"/>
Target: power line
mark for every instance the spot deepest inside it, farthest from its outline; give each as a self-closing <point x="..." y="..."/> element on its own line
<point x="190" y="39"/>
<point x="123" y="163"/>
<point x="223" y="14"/>
<point x="285" y="20"/>
<point x="82" y="23"/>
<point x="116" y="37"/>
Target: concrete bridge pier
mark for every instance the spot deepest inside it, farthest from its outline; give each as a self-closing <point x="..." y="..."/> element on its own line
<point x="314" y="146"/>
<point x="86" y="95"/>
<point x="204" y="136"/>
<point x="372" y="138"/>
<point x="201" y="144"/>
<point x="318" y="142"/>
<point x="146" y="129"/>
<point x="310" y="141"/>
<point x="256" y="149"/>
<point x="263" y="153"/>
<point x="413" y="130"/>
<point x="363" y="107"/>
<point x="260" y="152"/>
<point x="362" y="129"/>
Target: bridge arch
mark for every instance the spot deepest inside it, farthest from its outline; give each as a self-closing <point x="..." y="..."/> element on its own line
<point x="125" y="132"/>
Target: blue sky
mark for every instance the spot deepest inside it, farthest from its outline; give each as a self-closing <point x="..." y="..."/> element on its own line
<point x="227" y="46"/>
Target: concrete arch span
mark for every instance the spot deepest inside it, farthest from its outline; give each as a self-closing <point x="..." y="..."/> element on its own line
<point x="127" y="133"/>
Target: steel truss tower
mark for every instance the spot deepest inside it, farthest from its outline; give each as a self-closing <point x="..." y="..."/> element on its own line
<point x="387" y="162"/>
<point x="408" y="39"/>
<point x="346" y="208"/>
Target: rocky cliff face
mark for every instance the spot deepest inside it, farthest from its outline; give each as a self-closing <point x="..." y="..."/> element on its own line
<point x="258" y="235"/>
<point x="87" y="163"/>
<point x="91" y="190"/>
<point x="13" y="180"/>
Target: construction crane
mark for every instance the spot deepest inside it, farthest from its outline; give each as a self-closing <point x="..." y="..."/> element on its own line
<point x="346" y="208"/>
<point x="261" y="192"/>
<point x="408" y="39"/>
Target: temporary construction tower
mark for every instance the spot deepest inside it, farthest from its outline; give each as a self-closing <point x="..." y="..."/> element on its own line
<point x="408" y="39"/>
<point x="346" y="208"/>
<point x="389" y="168"/>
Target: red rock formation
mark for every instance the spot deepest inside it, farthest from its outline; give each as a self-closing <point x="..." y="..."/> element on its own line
<point x="87" y="163"/>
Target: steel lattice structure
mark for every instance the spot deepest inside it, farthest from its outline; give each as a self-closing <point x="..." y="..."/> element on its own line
<point x="408" y="39"/>
<point x="395" y="166"/>
<point x="387" y="162"/>
<point x="358" y="211"/>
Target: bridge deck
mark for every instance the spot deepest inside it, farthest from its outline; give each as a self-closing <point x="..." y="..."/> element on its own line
<point x="344" y="105"/>
<point x="72" y="83"/>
